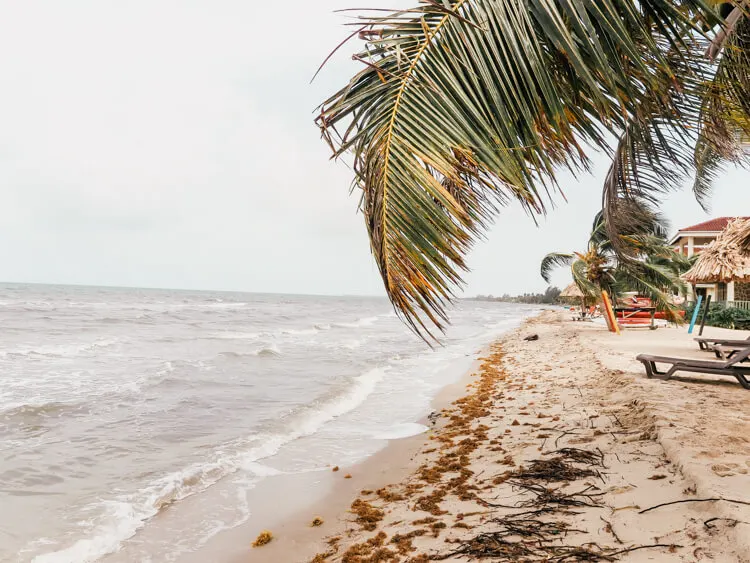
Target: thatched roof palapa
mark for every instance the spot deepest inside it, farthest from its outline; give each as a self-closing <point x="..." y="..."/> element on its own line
<point x="726" y="259"/>
<point x="572" y="291"/>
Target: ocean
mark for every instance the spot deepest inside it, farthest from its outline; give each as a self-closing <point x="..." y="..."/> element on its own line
<point x="117" y="405"/>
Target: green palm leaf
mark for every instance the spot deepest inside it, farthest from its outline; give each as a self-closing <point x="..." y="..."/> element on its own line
<point x="641" y="261"/>
<point x="554" y="260"/>
<point x="579" y="271"/>
<point x="725" y="111"/>
<point x="656" y="153"/>
<point x="465" y="105"/>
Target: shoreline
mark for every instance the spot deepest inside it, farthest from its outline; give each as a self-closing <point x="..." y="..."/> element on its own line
<point x="294" y="536"/>
<point x="323" y="494"/>
<point x="578" y="389"/>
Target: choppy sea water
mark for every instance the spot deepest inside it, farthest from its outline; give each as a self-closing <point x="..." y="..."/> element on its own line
<point x="118" y="403"/>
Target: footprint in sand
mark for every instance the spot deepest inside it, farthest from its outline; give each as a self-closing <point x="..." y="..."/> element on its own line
<point x="724" y="469"/>
<point x="712" y="454"/>
<point x="621" y="490"/>
<point x="734" y="439"/>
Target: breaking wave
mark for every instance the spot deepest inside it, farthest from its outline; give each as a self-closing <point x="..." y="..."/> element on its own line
<point x="126" y="514"/>
<point x="263" y="352"/>
<point x="63" y="351"/>
<point x="33" y="413"/>
<point x="359" y="323"/>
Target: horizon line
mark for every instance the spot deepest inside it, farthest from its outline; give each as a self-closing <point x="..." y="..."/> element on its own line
<point x="155" y="288"/>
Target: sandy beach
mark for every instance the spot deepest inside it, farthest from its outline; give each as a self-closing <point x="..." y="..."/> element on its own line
<point x="557" y="449"/>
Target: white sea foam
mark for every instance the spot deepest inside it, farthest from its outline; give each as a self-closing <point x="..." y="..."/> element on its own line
<point x="359" y="323"/>
<point x="298" y="331"/>
<point x="264" y="351"/>
<point x="219" y="304"/>
<point x="125" y="515"/>
<point x="260" y="470"/>
<point x="352" y="397"/>
<point x="236" y="335"/>
<point x="267" y="351"/>
<point x="63" y="351"/>
<point x="287" y="332"/>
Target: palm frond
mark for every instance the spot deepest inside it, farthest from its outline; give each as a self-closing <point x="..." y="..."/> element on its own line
<point x="652" y="158"/>
<point x="555" y="260"/>
<point x="637" y="228"/>
<point x="724" y="120"/>
<point x="656" y="153"/>
<point x="464" y="105"/>
<point x="708" y="165"/>
<point x="579" y="271"/>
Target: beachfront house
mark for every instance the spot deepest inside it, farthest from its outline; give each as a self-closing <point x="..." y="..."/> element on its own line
<point x="691" y="241"/>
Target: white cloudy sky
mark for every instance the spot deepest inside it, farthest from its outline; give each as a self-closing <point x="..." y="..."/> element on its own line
<point x="171" y="144"/>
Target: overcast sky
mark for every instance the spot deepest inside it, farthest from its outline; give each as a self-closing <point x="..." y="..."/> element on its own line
<point x="171" y="144"/>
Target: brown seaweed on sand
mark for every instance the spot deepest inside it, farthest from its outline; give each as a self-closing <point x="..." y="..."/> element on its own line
<point x="367" y="515"/>
<point x="263" y="538"/>
<point x="553" y="469"/>
<point x="494" y="546"/>
<point x="371" y="551"/>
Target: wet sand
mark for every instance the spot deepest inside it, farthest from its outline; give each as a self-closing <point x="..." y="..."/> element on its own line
<point x="559" y="449"/>
<point x="325" y="494"/>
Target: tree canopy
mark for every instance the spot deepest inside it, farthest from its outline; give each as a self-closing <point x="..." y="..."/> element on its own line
<point x="463" y="106"/>
<point x="645" y="263"/>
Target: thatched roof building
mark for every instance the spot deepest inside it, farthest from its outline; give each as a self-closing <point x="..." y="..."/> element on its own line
<point x="572" y="291"/>
<point x="726" y="259"/>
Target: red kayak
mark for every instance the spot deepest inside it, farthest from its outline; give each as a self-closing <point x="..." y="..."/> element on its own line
<point x="646" y="315"/>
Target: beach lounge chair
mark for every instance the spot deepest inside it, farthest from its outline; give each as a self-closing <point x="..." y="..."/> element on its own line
<point x="731" y="367"/>
<point x="728" y="351"/>
<point x="707" y="343"/>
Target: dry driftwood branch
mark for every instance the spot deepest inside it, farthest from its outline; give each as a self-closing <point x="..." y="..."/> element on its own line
<point x="733" y="521"/>
<point x="715" y="499"/>
<point x="611" y="529"/>
<point x="637" y="547"/>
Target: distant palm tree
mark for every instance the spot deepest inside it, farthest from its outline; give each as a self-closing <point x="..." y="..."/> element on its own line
<point x="645" y="264"/>
<point x="463" y="106"/>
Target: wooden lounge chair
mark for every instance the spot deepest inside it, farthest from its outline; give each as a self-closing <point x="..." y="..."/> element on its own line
<point x="707" y="343"/>
<point x="731" y="367"/>
<point x="730" y="350"/>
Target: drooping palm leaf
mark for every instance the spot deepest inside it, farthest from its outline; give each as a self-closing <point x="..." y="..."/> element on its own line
<point x="725" y="110"/>
<point x="655" y="153"/>
<point x="554" y="260"/>
<point x="579" y="271"/>
<point x="467" y="104"/>
<point x="649" y="161"/>
<point x="709" y="163"/>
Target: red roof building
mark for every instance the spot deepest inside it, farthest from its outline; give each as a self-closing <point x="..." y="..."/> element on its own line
<point x="711" y="226"/>
<point x="692" y="240"/>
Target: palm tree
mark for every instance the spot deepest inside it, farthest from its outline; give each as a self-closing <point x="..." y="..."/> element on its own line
<point x="646" y="264"/>
<point x="463" y="106"/>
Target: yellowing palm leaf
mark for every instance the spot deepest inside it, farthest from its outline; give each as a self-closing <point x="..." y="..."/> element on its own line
<point x="466" y="105"/>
